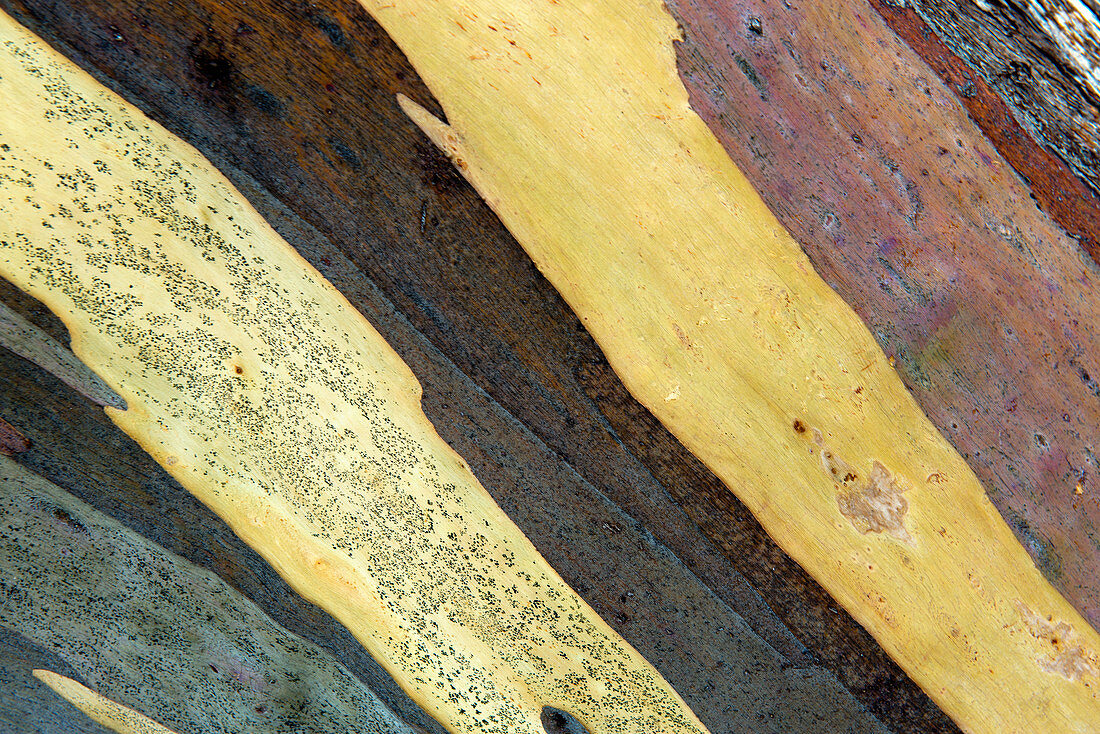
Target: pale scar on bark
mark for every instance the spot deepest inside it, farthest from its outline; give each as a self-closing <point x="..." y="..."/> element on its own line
<point x="1066" y="657"/>
<point x="872" y="506"/>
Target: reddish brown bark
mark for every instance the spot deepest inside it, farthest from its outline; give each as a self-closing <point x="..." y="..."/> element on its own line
<point x="11" y="441"/>
<point x="1060" y="193"/>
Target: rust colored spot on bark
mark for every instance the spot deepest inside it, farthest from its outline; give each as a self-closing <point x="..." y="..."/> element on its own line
<point x="12" y="441"/>
<point x="830" y="462"/>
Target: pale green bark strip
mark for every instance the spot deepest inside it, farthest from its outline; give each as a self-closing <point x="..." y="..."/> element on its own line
<point x="154" y="632"/>
<point x="34" y="345"/>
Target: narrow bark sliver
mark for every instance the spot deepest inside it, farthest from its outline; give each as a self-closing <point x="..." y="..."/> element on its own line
<point x="100" y="709"/>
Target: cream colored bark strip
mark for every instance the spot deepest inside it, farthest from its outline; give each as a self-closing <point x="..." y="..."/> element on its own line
<point x="110" y="714"/>
<point x="570" y="120"/>
<point x="259" y="387"/>
<point x="31" y="343"/>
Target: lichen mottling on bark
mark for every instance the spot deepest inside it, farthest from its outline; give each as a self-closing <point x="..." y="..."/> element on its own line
<point x="149" y="629"/>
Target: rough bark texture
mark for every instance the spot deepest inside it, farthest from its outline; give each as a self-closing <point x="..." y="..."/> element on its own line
<point x="1043" y="58"/>
<point x="314" y="122"/>
<point x="1057" y="190"/>
<point x="299" y="96"/>
<point x="573" y="124"/>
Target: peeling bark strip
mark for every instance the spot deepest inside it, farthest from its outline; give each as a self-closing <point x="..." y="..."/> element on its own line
<point x="102" y="710"/>
<point x="910" y="213"/>
<point x="260" y="389"/>
<point x="35" y="345"/>
<point x="471" y="290"/>
<point x="572" y="123"/>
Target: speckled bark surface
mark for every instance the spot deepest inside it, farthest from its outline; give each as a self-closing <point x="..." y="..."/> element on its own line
<point x="151" y="631"/>
<point x="155" y="500"/>
<point x="729" y="673"/>
<point x="29" y="706"/>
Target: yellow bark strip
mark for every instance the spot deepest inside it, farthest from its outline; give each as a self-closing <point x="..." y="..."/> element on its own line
<point x="267" y="395"/>
<point x="104" y="711"/>
<point x="570" y="119"/>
